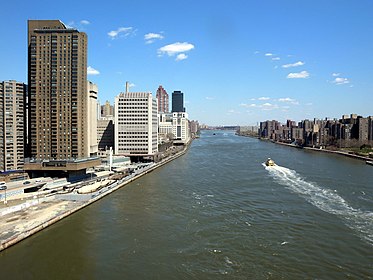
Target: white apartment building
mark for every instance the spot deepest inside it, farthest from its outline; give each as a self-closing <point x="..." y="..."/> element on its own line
<point x="180" y="127"/>
<point x="136" y="124"/>
<point x="92" y="118"/>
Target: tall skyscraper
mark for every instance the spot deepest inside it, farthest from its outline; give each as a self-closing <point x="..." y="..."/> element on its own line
<point x="58" y="97"/>
<point x="178" y="101"/>
<point x="136" y="124"/>
<point x="162" y="98"/>
<point x="12" y="120"/>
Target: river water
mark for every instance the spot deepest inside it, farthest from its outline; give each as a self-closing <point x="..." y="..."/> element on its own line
<point x="217" y="213"/>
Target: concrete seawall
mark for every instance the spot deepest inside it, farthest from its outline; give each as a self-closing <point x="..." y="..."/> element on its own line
<point x="18" y="236"/>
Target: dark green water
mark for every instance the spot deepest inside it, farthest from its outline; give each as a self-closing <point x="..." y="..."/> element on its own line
<point x="217" y="213"/>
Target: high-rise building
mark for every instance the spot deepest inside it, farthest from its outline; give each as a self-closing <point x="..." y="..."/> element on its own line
<point x="57" y="96"/>
<point x="92" y="118"/>
<point x="178" y="101"/>
<point x="12" y="119"/>
<point x="136" y="124"/>
<point x="162" y="98"/>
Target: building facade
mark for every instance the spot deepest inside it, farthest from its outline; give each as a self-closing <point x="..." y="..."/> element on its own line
<point x="105" y="134"/>
<point x="136" y="124"/>
<point x="180" y="127"/>
<point x="178" y="102"/>
<point x="107" y="110"/>
<point x="162" y="97"/>
<point x="57" y="97"/>
<point x="12" y="125"/>
<point x="165" y="131"/>
<point x="92" y="118"/>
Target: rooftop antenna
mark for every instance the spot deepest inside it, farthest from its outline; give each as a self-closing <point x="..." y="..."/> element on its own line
<point x="127" y="87"/>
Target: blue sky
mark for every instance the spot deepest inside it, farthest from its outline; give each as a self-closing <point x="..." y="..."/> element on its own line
<point x="238" y="62"/>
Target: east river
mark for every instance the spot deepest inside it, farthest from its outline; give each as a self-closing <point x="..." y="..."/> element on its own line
<point x="217" y="213"/>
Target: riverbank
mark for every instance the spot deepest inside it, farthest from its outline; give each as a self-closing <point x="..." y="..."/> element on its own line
<point x="342" y="153"/>
<point x="25" y="219"/>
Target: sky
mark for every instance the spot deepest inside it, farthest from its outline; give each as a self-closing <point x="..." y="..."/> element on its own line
<point x="237" y="62"/>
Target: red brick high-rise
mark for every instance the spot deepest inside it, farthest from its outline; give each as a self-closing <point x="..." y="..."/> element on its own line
<point x="162" y="98"/>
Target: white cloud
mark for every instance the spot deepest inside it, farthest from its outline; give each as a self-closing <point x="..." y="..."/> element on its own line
<point x="288" y="100"/>
<point x="264" y="98"/>
<point x="266" y="106"/>
<point x="300" y="75"/>
<point x="178" y="49"/>
<point x="175" y="48"/>
<point x="121" y="32"/>
<point x="85" y="22"/>
<point x="269" y="54"/>
<point x="92" y="71"/>
<point x="151" y="37"/>
<point x="341" y="81"/>
<point x="276" y="58"/>
<point x="210" y="98"/>
<point x="269" y="106"/>
<point x="181" y="56"/>
<point x="336" y="74"/>
<point x="298" y="63"/>
<point x="248" y="105"/>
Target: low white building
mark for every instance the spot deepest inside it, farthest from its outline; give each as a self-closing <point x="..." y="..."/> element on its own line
<point x="165" y="129"/>
<point x="136" y="124"/>
<point x="180" y="127"/>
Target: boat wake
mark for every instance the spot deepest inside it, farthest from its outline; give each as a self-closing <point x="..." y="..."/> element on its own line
<point x="326" y="200"/>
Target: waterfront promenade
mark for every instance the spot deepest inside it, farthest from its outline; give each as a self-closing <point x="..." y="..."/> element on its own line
<point x="21" y="220"/>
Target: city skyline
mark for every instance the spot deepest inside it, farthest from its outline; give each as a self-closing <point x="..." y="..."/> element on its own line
<point x="238" y="64"/>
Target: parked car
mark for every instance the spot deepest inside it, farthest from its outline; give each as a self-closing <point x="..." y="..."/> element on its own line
<point x="3" y="186"/>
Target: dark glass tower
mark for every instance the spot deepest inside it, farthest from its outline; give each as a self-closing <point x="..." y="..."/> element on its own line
<point x="178" y="101"/>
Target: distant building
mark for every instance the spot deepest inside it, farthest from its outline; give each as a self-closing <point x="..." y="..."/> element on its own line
<point x="194" y="127"/>
<point x="177" y="102"/>
<point x="107" y="110"/>
<point x="363" y="124"/>
<point x="370" y="128"/>
<point x="349" y="131"/>
<point x="12" y="125"/>
<point x="162" y="98"/>
<point x="136" y="124"/>
<point x="58" y="100"/>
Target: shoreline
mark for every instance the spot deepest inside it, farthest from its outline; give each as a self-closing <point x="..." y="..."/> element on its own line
<point x="60" y="208"/>
<point x="342" y="153"/>
<point x="321" y="150"/>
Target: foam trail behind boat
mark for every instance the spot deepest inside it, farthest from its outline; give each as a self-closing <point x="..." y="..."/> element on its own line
<point x="325" y="199"/>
